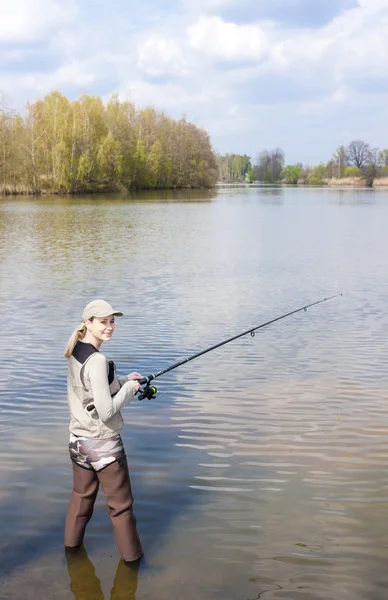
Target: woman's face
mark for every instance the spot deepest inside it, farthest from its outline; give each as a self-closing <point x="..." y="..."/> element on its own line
<point x="101" y="328"/>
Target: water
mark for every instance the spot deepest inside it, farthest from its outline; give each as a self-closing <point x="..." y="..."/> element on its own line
<point x="260" y="471"/>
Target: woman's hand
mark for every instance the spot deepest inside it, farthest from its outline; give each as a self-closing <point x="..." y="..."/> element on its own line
<point x="135" y="385"/>
<point x="134" y="376"/>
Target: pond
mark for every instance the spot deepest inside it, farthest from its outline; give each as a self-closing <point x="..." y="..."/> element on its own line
<point x="260" y="469"/>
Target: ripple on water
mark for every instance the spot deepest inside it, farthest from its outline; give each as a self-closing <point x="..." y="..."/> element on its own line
<point x="262" y="465"/>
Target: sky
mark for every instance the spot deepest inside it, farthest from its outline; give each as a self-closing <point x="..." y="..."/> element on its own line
<point x="302" y="75"/>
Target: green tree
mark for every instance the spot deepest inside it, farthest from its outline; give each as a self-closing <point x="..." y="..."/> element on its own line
<point x="225" y="167"/>
<point x="109" y="161"/>
<point x="140" y="176"/>
<point x="154" y="160"/>
<point x="383" y="158"/>
<point x="352" y="172"/>
<point x="250" y="175"/>
<point x="84" y="171"/>
<point x="291" y="174"/>
<point x="336" y="167"/>
<point x="317" y="175"/>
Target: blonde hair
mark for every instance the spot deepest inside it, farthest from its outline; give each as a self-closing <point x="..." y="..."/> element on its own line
<point x="78" y="334"/>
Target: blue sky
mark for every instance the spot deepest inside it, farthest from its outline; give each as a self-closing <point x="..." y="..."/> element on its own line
<point x="303" y="75"/>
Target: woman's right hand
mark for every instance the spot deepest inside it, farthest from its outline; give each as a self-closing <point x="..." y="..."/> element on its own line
<point x="135" y="385"/>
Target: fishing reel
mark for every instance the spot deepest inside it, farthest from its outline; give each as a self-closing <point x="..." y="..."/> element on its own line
<point x="148" y="392"/>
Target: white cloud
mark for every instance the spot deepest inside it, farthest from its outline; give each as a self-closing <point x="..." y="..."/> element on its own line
<point x="372" y="4"/>
<point x="227" y="41"/>
<point x="201" y="6"/>
<point x="32" y="85"/>
<point x="31" y="20"/>
<point x="326" y="105"/>
<point x="173" y="97"/>
<point x="355" y="41"/>
<point x="159" y="55"/>
<point x="76" y="73"/>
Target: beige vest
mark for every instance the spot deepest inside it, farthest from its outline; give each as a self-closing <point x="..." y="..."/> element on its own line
<point x="84" y="422"/>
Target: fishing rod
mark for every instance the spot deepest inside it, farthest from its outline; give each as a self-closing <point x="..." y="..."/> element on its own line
<point x="149" y="390"/>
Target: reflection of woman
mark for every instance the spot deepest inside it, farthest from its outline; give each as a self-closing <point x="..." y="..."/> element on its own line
<point x="85" y="584"/>
<point x="95" y="396"/>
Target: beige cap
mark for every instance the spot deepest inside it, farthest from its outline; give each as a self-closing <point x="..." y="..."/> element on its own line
<point x="99" y="308"/>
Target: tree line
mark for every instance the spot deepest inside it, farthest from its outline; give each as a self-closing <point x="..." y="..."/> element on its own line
<point x="63" y="146"/>
<point x="358" y="159"/>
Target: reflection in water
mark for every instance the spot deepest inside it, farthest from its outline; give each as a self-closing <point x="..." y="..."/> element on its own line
<point x="356" y="196"/>
<point x="269" y="194"/>
<point x="85" y="584"/>
<point x="146" y="196"/>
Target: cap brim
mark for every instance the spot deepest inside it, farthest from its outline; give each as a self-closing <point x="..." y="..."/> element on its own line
<point x="102" y="314"/>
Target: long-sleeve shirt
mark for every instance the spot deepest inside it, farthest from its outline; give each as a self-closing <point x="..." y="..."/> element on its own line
<point x="92" y="381"/>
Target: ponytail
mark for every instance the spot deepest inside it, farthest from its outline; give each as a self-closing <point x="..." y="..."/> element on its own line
<point x="78" y="334"/>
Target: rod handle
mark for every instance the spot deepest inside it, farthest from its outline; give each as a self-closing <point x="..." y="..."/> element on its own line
<point x="145" y="380"/>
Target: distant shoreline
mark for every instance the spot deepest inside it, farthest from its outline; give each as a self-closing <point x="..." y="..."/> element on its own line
<point x="21" y="191"/>
<point x="354" y="182"/>
<point x="344" y="182"/>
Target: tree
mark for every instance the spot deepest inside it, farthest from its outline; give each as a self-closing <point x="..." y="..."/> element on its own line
<point x="6" y="117"/>
<point x="368" y="173"/>
<point x="225" y="167"/>
<point x="359" y="154"/>
<point x="269" y="165"/>
<point x="234" y="167"/>
<point x="249" y="177"/>
<point x="317" y="175"/>
<point x="140" y="178"/>
<point x="154" y="160"/>
<point x="352" y="172"/>
<point x="36" y="157"/>
<point x="109" y="161"/>
<point x="338" y="164"/>
<point x="240" y="166"/>
<point x="383" y="158"/>
<point x="291" y="174"/>
<point x="84" y="171"/>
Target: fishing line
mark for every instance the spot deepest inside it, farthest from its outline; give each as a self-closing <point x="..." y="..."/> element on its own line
<point x="149" y="391"/>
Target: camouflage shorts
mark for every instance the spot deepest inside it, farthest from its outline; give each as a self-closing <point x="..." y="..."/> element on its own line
<point x="95" y="453"/>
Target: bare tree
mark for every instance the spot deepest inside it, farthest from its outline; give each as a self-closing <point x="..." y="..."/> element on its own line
<point x="277" y="163"/>
<point x="269" y="165"/>
<point x="359" y="154"/>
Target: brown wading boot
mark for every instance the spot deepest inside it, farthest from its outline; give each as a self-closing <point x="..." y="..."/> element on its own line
<point x="133" y="564"/>
<point x="72" y="549"/>
<point x="116" y="486"/>
<point x="81" y="505"/>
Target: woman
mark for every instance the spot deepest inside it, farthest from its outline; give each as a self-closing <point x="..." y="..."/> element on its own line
<point x="95" y="396"/>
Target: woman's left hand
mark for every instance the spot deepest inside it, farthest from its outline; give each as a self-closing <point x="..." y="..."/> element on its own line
<point x="134" y="376"/>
